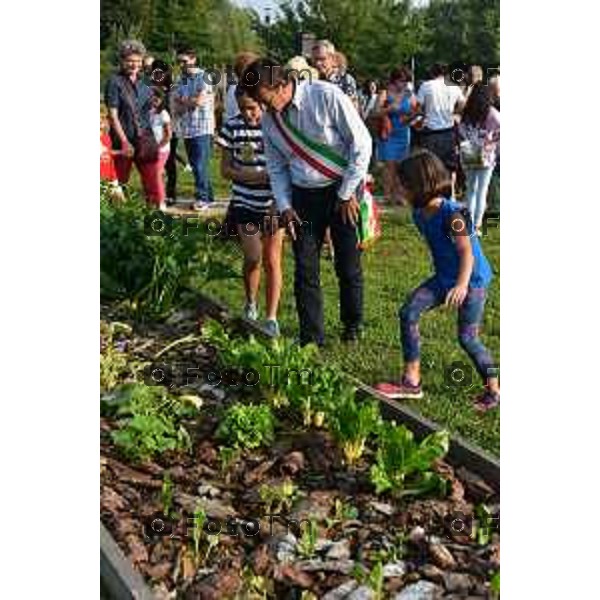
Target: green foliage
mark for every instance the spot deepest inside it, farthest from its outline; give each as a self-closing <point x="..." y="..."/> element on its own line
<point x="199" y="520"/>
<point x="115" y="362"/>
<point x="164" y="27"/>
<point x="166" y="494"/>
<point x="247" y="426"/>
<point x="227" y="456"/>
<point x="352" y="422"/>
<point x="308" y="540"/>
<point x="372" y="579"/>
<point x="278" y="498"/>
<point x="150" y="273"/>
<point x="289" y="375"/>
<point x="495" y="585"/>
<point x="150" y="421"/>
<point x="403" y="465"/>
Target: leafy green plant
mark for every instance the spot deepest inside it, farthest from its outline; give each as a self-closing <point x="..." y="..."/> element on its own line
<point x="199" y="519"/>
<point x="352" y="422"/>
<point x="403" y="465"/>
<point x="495" y="585"/>
<point x="115" y="362"/>
<point x="247" y="426"/>
<point x="149" y="420"/>
<point x="166" y="494"/>
<point x="483" y="524"/>
<point x="308" y="540"/>
<point x="372" y="579"/>
<point x="151" y="272"/>
<point x="278" y="498"/>
<point x="256" y="587"/>
<point x="227" y="456"/>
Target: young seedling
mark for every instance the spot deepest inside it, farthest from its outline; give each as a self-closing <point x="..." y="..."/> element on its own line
<point x="484" y="524"/>
<point x="213" y="540"/>
<point x="199" y="520"/>
<point x="308" y="540"/>
<point x="167" y="494"/>
<point x="372" y="579"/>
<point x="495" y="586"/>
<point x="278" y="498"/>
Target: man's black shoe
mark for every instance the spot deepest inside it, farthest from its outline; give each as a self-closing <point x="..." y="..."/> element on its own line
<point x="351" y="334"/>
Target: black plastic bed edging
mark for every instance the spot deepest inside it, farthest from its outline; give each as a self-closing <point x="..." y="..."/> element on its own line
<point x="118" y="579"/>
<point x="461" y="453"/>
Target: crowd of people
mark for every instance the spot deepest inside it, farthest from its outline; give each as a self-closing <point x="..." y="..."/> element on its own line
<point x="297" y="144"/>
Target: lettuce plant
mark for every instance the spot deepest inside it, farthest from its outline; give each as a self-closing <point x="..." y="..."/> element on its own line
<point x="149" y="421"/>
<point x="404" y="466"/>
<point x="247" y="426"/>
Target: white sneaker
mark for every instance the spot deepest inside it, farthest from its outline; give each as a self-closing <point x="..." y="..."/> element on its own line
<point x="188" y="168"/>
<point x="272" y="327"/>
<point x="200" y="206"/>
<point x="251" y="311"/>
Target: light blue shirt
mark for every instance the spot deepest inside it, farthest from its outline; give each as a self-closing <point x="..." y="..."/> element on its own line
<point x="200" y="120"/>
<point x="325" y="114"/>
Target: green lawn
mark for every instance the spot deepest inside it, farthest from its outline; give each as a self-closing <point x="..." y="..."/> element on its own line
<point x="397" y="263"/>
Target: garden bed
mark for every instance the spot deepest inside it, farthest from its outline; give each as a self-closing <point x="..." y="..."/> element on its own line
<point x="335" y="538"/>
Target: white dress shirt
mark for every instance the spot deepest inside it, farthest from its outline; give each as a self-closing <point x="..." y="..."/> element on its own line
<point x="439" y="101"/>
<point x="325" y="114"/>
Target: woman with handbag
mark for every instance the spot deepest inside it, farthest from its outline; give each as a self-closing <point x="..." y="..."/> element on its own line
<point x="395" y="107"/>
<point x="479" y="134"/>
<point x="128" y="100"/>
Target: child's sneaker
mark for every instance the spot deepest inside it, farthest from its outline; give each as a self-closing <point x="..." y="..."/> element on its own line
<point x="487" y="401"/>
<point x="272" y="327"/>
<point x="405" y="390"/>
<point x="251" y="311"/>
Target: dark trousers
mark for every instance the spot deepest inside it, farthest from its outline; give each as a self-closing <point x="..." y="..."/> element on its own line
<point x="319" y="209"/>
<point x="171" y="170"/>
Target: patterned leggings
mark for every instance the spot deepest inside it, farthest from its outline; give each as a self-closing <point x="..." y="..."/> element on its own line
<point x="470" y="314"/>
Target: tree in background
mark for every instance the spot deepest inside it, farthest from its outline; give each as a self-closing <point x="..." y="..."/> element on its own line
<point x="217" y="29"/>
<point x="375" y="35"/>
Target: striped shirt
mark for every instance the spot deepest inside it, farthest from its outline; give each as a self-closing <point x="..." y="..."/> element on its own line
<point x="245" y="142"/>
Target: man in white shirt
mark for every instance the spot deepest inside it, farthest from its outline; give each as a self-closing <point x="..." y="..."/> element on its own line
<point x="440" y="102"/>
<point x="310" y="197"/>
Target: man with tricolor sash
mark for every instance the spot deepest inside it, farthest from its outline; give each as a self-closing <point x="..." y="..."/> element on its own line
<point x="318" y="151"/>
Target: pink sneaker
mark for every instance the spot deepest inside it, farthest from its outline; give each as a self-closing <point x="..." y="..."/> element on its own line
<point x="403" y="390"/>
<point x="487" y="401"/>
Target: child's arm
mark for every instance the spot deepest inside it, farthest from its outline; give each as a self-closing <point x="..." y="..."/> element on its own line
<point x="460" y="234"/>
<point x="166" y="139"/>
<point x="240" y="174"/>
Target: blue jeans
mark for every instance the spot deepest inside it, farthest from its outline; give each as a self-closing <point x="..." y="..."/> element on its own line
<point x="478" y="182"/>
<point x="199" y="150"/>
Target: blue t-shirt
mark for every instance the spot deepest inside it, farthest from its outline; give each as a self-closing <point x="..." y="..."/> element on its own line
<point x="437" y="231"/>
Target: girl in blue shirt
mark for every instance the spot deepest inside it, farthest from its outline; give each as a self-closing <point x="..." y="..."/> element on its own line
<point x="462" y="276"/>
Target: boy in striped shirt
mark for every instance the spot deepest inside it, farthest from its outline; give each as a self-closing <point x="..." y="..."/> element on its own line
<point x="253" y="206"/>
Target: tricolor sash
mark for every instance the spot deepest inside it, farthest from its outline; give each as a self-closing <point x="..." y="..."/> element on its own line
<point x="331" y="165"/>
